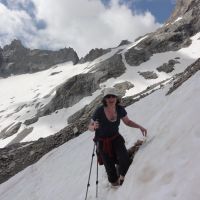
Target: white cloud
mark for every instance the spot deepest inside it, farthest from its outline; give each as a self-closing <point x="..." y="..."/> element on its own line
<point x="14" y="24"/>
<point x="81" y="24"/>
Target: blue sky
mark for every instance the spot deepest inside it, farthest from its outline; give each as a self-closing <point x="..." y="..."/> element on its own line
<point x="94" y="24"/>
<point x="161" y="9"/>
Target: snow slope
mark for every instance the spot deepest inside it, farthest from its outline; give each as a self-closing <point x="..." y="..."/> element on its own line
<point x="166" y="167"/>
<point x="23" y="95"/>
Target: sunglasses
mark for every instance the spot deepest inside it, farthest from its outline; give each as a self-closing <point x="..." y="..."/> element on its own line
<point x="110" y="96"/>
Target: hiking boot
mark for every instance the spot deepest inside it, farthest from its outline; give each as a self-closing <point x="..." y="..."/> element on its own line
<point x="116" y="183"/>
<point x="121" y="180"/>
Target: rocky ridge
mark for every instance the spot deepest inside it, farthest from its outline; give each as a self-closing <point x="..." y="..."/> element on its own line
<point x="17" y="59"/>
<point x="184" y="76"/>
<point x="182" y="6"/>
<point x="93" y="54"/>
<point x="124" y="42"/>
<point x="172" y="36"/>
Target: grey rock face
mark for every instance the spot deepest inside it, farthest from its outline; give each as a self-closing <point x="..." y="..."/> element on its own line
<point x="182" y="6"/>
<point x="20" y="136"/>
<point x="94" y="54"/>
<point x="149" y="75"/>
<point x="10" y="130"/>
<point x="122" y="87"/>
<point x="54" y="73"/>
<point x="71" y="92"/>
<point x="31" y="121"/>
<point x="112" y="67"/>
<point x="168" y="67"/>
<point x="16" y="59"/>
<point x="83" y="85"/>
<point x="189" y="71"/>
<point x="170" y="37"/>
<point x="3" y="132"/>
<point x="16" y="157"/>
<point x="124" y="42"/>
<point x="137" y="56"/>
<point x="156" y="43"/>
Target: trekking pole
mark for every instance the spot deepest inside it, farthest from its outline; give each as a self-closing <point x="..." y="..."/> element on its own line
<point x="88" y="184"/>
<point x="97" y="181"/>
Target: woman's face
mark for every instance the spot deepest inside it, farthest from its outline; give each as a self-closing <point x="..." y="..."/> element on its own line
<point x="111" y="99"/>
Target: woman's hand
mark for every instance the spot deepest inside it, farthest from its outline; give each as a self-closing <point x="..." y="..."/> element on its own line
<point x="93" y="125"/>
<point x="143" y="130"/>
<point x="131" y="123"/>
<point x="96" y="125"/>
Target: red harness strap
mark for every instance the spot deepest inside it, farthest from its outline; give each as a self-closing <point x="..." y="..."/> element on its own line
<point x="107" y="144"/>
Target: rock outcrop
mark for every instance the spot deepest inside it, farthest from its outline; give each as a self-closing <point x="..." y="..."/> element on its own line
<point x="182" y="6"/>
<point x="124" y="42"/>
<point x="17" y="59"/>
<point x="172" y="36"/>
<point x="167" y="67"/>
<point x="110" y="68"/>
<point x="182" y="77"/>
<point x="82" y="85"/>
<point x="94" y="54"/>
<point x="16" y="157"/>
<point x="71" y="92"/>
<point x="149" y="75"/>
<point x="10" y="130"/>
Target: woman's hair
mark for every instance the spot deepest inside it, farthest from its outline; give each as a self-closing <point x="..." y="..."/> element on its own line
<point x="105" y="104"/>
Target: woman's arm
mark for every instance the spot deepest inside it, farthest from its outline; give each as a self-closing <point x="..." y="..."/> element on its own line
<point x="131" y="123"/>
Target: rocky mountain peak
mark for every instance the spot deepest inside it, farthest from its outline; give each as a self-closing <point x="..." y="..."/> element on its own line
<point x="17" y="59"/>
<point x="174" y="35"/>
<point x="124" y="42"/>
<point x="183" y="6"/>
<point x="15" y="45"/>
<point x="93" y="54"/>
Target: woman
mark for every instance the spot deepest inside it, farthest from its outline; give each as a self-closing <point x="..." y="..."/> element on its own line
<point x="105" y="122"/>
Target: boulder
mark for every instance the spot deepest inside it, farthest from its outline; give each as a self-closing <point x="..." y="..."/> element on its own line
<point x="167" y="67"/>
<point x="149" y="75"/>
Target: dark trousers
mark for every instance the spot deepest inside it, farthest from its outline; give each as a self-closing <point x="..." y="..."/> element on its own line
<point x="119" y="156"/>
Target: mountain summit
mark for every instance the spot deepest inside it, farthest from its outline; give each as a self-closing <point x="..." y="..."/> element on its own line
<point x="17" y="59"/>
